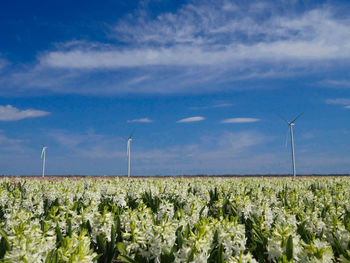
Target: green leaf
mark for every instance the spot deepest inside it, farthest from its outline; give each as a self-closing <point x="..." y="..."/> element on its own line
<point x="220" y="254"/>
<point x="101" y="243"/>
<point x="59" y="236"/>
<point x="121" y="248"/>
<point x="69" y="228"/>
<point x="339" y="248"/>
<point x="4" y="246"/>
<point x="289" y="248"/>
<point x="201" y="211"/>
<point x="113" y="239"/>
<point x="51" y="257"/>
<point x="126" y="259"/>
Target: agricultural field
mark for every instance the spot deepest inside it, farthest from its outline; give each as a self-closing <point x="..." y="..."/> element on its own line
<point x="175" y="220"/>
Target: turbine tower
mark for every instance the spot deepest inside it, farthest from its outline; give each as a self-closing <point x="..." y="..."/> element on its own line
<point x="290" y="129"/>
<point x="43" y="157"/>
<point x="128" y="152"/>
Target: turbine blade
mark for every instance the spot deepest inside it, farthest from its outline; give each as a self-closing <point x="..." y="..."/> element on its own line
<point x="279" y="115"/>
<point x="297" y="117"/>
<point x="286" y="141"/>
<point x="132" y="133"/>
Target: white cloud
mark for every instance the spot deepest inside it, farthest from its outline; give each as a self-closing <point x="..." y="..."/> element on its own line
<point x="335" y="83"/>
<point x="3" y="63"/>
<point x="89" y="144"/>
<point x="222" y="105"/>
<point x="142" y="120"/>
<point x="214" y="106"/>
<point x="9" y="144"/>
<point x="228" y="152"/>
<point x="191" y="119"/>
<point x="219" y="153"/>
<point x="240" y="120"/>
<point x="10" y="113"/>
<point x="216" y="43"/>
<point x="231" y="56"/>
<point x="206" y="33"/>
<point x="338" y="101"/>
<point x="5" y="141"/>
<point x="138" y="80"/>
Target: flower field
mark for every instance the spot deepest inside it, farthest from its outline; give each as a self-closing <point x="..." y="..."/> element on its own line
<point x="175" y="220"/>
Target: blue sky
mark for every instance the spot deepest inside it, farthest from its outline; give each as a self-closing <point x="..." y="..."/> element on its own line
<point x="202" y="82"/>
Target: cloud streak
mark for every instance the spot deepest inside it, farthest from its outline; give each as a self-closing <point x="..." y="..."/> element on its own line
<point x="9" y="144"/>
<point x="214" y="106"/>
<point x="10" y="113"/>
<point x="336" y="83"/>
<point x="3" y="63"/>
<point x="338" y="101"/>
<point x="222" y="153"/>
<point x="191" y="119"/>
<point x="142" y="120"/>
<point x="240" y="120"/>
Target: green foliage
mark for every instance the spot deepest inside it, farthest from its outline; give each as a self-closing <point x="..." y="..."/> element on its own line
<point x="152" y="202"/>
<point x="289" y="248"/>
<point x="4" y="244"/>
<point x="256" y="238"/>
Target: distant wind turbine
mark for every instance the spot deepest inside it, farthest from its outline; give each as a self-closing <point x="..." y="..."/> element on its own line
<point x="290" y="129"/>
<point x="43" y="157"/>
<point x="128" y="151"/>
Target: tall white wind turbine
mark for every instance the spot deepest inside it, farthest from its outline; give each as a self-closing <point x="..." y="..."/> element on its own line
<point x="128" y="152"/>
<point x="43" y="157"/>
<point x="290" y="129"/>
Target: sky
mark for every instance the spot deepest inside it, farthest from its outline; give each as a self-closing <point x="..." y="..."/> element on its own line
<point x="202" y="82"/>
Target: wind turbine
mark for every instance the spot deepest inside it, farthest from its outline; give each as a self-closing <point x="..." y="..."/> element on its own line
<point x="128" y="152"/>
<point x="290" y="129"/>
<point x="43" y="157"/>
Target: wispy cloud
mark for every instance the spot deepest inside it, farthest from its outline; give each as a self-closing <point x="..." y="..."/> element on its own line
<point x="5" y="141"/>
<point x="223" y="153"/>
<point x="213" y="42"/>
<point x="10" y="113"/>
<point x="240" y="120"/>
<point x="204" y="33"/>
<point x="142" y="120"/>
<point x="336" y="83"/>
<point x="11" y="145"/>
<point x="214" y="106"/>
<point x="338" y="101"/>
<point x="3" y="63"/>
<point x="89" y="144"/>
<point x="220" y="153"/>
<point x="191" y="119"/>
